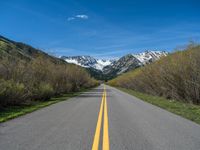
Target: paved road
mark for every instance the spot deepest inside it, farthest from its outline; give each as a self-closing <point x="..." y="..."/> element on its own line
<point x="73" y="125"/>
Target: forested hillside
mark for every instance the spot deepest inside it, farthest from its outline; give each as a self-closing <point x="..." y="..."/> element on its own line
<point x="28" y="74"/>
<point x="176" y="76"/>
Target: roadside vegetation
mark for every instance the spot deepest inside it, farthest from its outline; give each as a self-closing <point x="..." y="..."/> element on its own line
<point x="186" y="110"/>
<point x="28" y="75"/>
<point x="176" y="77"/>
<point x="39" y="79"/>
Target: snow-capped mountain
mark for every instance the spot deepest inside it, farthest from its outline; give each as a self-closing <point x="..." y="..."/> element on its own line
<point x="132" y="61"/>
<point x="115" y="67"/>
<point x="88" y="61"/>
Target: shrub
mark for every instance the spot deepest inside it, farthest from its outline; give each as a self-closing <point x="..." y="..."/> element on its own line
<point x="11" y="93"/>
<point x="43" y="92"/>
<point x="38" y="79"/>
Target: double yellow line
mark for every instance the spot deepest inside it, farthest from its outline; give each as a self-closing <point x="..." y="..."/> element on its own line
<point x="103" y="111"/>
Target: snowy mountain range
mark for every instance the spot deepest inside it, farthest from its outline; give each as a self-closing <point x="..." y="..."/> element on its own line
<point x="88" y="61"/>
<point x="115" y="67"/>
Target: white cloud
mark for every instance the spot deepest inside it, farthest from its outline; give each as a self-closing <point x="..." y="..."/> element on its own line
<point x="83" y="17"/>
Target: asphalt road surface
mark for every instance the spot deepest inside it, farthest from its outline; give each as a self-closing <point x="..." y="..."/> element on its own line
<point x="100" y="119"/>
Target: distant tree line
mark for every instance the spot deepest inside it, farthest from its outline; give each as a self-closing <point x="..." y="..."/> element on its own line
<point x="176" y="76"/>
<point x="22" y="81"/>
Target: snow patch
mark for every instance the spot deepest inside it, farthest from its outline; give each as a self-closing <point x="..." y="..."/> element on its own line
<point x="146" y="56"/>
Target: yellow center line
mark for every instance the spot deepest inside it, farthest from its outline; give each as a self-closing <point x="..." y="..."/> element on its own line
<point x="95" y="145"/>
<point x="104" y="108"/>
<point x="106" y="145"/>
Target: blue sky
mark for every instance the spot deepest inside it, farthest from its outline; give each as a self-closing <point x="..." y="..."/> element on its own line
<point x="104" y="28"/>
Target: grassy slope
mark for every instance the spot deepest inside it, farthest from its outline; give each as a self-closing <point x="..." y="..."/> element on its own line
<point x="189" y="111"/>
<point x="16" y="111"/>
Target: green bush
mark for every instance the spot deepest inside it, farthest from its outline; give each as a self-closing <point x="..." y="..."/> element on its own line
<point x="11" y="93"/>
<point x="43" y="92"/>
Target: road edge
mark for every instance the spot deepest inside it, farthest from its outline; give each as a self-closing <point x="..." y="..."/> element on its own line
<point x="18" y="111"/>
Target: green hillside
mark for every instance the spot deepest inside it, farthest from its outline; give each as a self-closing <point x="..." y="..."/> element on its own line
<point x="28" y="74"/>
